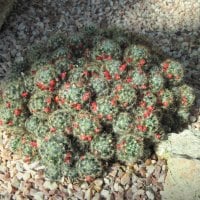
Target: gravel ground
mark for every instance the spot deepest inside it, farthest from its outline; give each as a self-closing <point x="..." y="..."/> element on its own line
<point x="172" y="25"/>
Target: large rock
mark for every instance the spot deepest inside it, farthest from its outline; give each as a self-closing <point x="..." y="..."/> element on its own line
<point x="5" y="8"/>
<point x="182" y="152"/>
<point x="183" y="180"/>
<point x="185" y="144"/>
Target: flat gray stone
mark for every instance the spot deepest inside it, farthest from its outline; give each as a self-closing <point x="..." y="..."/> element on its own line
<point x="183" y="180"/>
<point x="185" y="144"/>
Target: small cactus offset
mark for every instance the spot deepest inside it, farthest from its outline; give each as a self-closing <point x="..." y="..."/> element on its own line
<point x="103" y="146"/>
<point x="81" y="102"/>
<point x="129" y="149"/>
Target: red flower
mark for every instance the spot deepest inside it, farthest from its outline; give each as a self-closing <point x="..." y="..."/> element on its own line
<point x="27" y="159"/>
<point x="52" y="129"/>
<point x="128" y="79"/>
<point x="17" y="112"/>
<point x="94" y="106"/>
<point x="119" y="87"/>
<point x="165" y="66"/>
<point x="8" y="104"/>
<point x="117" y="77"/>
<point x="86" y="73"/>
<point x="142" y="128"/>
<point x="67" y="158"/>
<point x="56" y="99"/>
<point x="143" y="87"/>
<point x="165" y="104"/>
<point x="121" y="145"/>
<point x="10" y="123"/>
<point x="142" y="104"/>
<point x="107" y="75"/>
<point x="67" y="85"/>
<point x="34" y="144"/>
<point x="86" y="96"/>
<point x="63" y="75"/>
<point x="158" y="136"/>
<point x="47" y="110"/>
<point x="52" y="83"/>
<point x="184" y="100"/>
<point x="97" y="130"/>
<point x="169" y="76"/>
<point x="48" y="100"/>
<point x="41" y="86"/>
<point x="123" y="67"/>
<point x="24" y="94"/>
<point x="77" y="106"/>
<point x="141" y="62"/>
<point x="1" y="122"/>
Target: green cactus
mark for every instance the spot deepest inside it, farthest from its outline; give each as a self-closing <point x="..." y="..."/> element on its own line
<point x="89" y="167"/>
<point x="165" y="99"/>
<point x="106" y="50"/>
<point x="173" y="71"/>
<point x="73" y="96"/>
<point x="123" y="124"/>
<point x="124" y="94"/>
<point x="60" y="121"/>
<point x="138" y="78"/>
<point x="54" y="150"/>
<point x="41" y="104"/>
<point x="129" y="149"/>
<point x="102" y="146"/>
<point x="104" y="108"/>
<point x="137" y="56"/>
<point x="70" y="172"/>
<point x="46" y="78"/>
<point x="60" y="53"/>
<point x="86" y="126"/>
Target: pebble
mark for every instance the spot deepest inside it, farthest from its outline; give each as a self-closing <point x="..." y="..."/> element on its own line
<point x="125" y="180"/>
<point x="150" y="195"/>
<point x="50" y="185"/>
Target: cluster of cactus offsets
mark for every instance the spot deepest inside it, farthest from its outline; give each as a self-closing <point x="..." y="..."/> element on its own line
<point x="88" y="100"/>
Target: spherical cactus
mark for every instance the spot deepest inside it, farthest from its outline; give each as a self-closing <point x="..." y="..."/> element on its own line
<point x="173" y="71"/>
<point x="129" y="149"/>
<point x="156" y="81"/>
<point x="41" y="104"/>
<point x="46" y="78"/>
<point x="53" y="171"/>
<point x="86" y="126"/>
<point x="137" y="56"/>
<point x="14" y="90"/>
<point x="138" y="78"/>
<point x="31" y="124"/>
<point x="125" y="95"/>
<point x="106" y="50"/>
<point x="104" y="108"/>
<point x="184" y="96"/>
<point x="73" y="96"/>
<point x="62" y="52"/>
<point x="13" y="115"/>
<point x="165" y="98"/>
<point x="114" y="69"/>
<point x="60" y="121"/>
<point x="123" y="124"/>
<point x="70" y="172"/>
<point x="102" y="146"/>
<point x="56" y="149"/>
<point x="89" y="167"/>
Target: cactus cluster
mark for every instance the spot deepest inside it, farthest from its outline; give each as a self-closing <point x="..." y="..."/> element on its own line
<point x="91" y="99"/>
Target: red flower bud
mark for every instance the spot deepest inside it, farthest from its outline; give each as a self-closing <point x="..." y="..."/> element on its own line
<point x="165" y="66"/>
<point x="24" y="94"/>
<point x="47" y="110"/>
<point x="94" y="106"/>
<point x="86" y="96"/>
<point x="117" y="77"/>
<point x="52" y="83"/>
<point x="8" y="104"/>
<point x="123" y="67"/>
<point x="107" y="75"/>
<point x="34" y="144"/>
<point x="142" y="62"/>
<point x="56" y="99"/>
<point x="52" y="129"/>
<point x="63" y="75"/>
<point x="77" y="106"/>
<point x="17" y="112"/>
<point x="10" y="123"/>
<point x="169" y="76"/>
